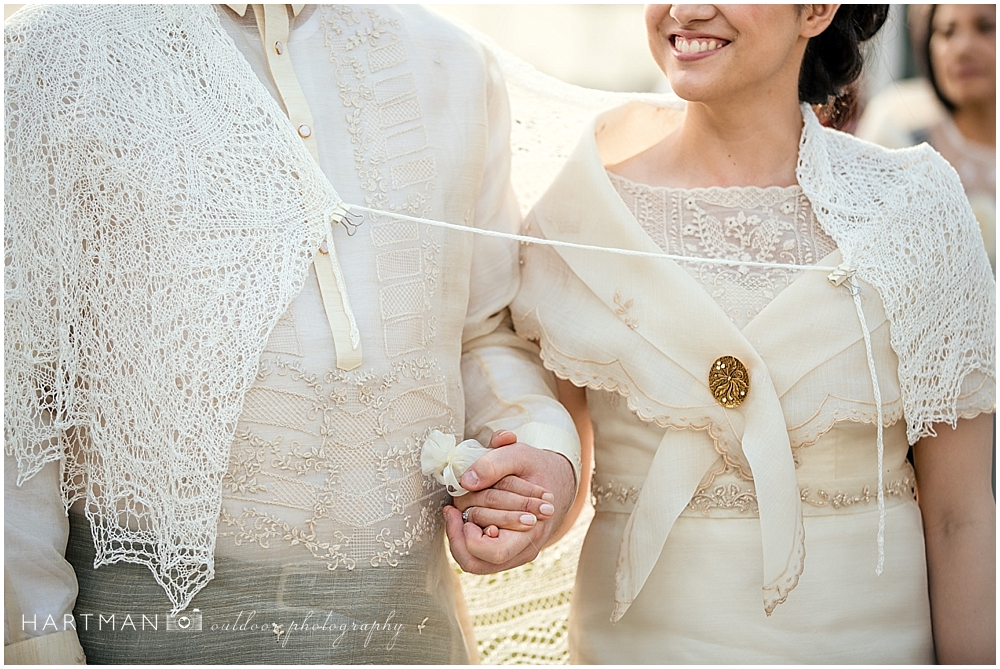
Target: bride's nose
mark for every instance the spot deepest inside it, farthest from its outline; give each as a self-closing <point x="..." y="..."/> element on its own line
<point x="685" y="14"/>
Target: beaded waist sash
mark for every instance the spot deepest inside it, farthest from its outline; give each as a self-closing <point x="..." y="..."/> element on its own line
<point x="731" y="497"/>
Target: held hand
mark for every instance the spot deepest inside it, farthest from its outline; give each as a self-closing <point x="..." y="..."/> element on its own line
<point x="527" y="471"/>
<point x="512" y="503"/>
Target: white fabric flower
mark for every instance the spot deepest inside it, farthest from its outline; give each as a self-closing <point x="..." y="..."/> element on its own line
<point x="441" y="458"/>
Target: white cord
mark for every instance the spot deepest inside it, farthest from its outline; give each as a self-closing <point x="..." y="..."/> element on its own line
<point x="880" y="540"/>
<point x="839" y="276"/>
<point x="586" y="247"/>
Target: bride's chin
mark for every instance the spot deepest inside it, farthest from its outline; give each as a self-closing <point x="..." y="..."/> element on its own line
<point x="691" y="91"/>
<point x="697" y="83"/>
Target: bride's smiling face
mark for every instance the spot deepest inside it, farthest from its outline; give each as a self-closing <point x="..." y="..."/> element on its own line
<point x="716" y="52"/>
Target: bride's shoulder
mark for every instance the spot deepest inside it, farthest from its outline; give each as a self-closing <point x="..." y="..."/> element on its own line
<point x="872" y="160"/>
<point x="916" y="176"/>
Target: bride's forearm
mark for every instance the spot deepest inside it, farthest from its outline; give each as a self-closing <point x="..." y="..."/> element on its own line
<point x="959" y="514"/>
<point x="961" y="565"/>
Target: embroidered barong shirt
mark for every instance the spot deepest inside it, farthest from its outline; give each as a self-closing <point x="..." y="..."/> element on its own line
<point x="403" y="113"/>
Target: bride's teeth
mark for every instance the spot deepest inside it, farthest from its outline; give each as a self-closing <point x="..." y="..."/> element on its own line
<point x="695" y="46"/>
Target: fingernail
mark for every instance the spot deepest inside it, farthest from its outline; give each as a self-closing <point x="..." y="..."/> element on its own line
<point x="547" y="509"/>
<point x="548" y="497"/>
<point x="528" y="519"/>
<point x="470" y="478"/>
<point x="493" y="531"/>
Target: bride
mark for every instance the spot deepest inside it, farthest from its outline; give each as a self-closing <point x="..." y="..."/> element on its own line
<point x="825" y="305"/>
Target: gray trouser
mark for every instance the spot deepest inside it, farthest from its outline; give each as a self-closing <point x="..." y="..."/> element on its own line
<point x="257" y="613"/>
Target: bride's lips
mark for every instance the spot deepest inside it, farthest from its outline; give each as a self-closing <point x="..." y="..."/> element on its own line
<point x="695" y="46"/>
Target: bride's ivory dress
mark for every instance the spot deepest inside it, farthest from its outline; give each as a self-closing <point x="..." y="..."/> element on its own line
<point x="792" y="515"/>
<point x="702" y="601"/>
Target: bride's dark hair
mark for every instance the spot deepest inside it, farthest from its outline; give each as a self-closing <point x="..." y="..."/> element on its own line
<point x="834" y="60"/>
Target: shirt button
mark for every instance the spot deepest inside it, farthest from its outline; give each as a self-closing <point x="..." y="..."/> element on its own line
<point x="304" y="131"/>
<point x="279" y="48"/>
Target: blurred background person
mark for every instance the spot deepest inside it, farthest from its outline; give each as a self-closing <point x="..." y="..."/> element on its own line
<point x="954" y="107"/>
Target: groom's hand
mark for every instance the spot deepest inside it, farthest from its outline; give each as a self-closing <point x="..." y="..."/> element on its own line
<point x="509" y="484"/>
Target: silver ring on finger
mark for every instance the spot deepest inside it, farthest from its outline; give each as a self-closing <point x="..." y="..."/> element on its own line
<point x="465" y="514"/>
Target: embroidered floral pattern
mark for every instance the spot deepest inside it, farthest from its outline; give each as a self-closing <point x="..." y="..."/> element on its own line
<point x="395" y="165"/>
<point x="905" y="487"/>
<point x="605" y="492"/>
<point x="379" y="97"/>
<point x="740" y="496"/>
<point x="730" y="496"/>
<point x="255" y="527"/>
<point x="773" y="225"/>
<point x="341" y="477"/>
<point x="621" y="310"/>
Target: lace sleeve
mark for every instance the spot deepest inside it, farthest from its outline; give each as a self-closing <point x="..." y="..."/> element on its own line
<point x="904" y="223"/>
<point x="945" y="332"/>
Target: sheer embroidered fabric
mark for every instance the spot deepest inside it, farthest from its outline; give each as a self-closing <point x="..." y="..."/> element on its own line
<point x="84" y="285"/>
<point x="322" y="459"/>
<point x="326" y="463"/>
<point x="761" y="224"/>
<point x="774" y="225"/>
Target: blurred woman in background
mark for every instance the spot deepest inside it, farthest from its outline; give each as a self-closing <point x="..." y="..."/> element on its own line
<point x="956" y="48"/>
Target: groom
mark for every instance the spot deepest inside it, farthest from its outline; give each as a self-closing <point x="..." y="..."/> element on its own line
<point x="243" y="390"/>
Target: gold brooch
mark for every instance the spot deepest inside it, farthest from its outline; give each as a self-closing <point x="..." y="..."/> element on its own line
<point x="729" y="381"/>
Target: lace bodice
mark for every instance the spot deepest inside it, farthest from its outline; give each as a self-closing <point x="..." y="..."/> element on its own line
<point x="754" y="224"/>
